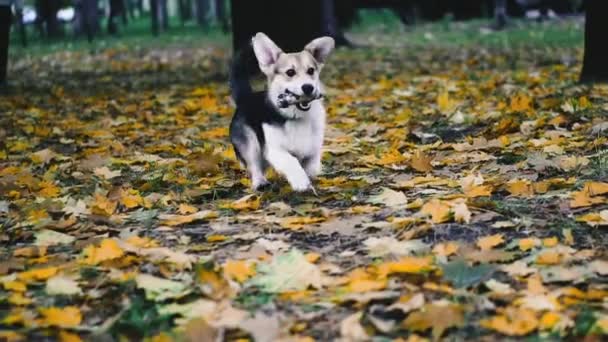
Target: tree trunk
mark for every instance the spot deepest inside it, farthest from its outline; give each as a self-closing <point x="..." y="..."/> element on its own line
<point x="164" y="15"/>
<point x="330" y="23"/>
<point x="500" y="14"/>
<point x="595" y="63"/>
<point x="185" y="11"/>
<point x="154" y="14"/>
<point x="87" y="18"/>
<point x="220" y="13"/>
<point x="116" y="10"/>
<point x="202" y="12"/>
<point x="5" y="29"/>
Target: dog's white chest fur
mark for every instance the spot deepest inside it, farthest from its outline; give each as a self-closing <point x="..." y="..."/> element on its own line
<point x="302" y="137"/>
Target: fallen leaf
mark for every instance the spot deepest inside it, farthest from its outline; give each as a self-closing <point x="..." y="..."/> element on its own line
<point x="65" y="317"/>
<point x="389" y="197"/>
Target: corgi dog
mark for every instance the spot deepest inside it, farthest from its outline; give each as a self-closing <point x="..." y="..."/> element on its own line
<point x="283" y="126"/>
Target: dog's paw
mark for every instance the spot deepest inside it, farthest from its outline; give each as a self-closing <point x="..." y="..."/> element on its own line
<point x="300" y="184"/>
<point x="257" y="184"/>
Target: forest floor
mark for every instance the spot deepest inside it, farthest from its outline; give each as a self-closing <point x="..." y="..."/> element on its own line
<point x="463" y="196"/>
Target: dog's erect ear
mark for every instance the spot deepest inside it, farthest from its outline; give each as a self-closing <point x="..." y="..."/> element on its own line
<point x="320" y="48"/>
<point x="266" y="51"/>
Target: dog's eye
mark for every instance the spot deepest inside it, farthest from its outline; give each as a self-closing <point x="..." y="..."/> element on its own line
<point x="310" y="71"/>
<point x="290" y="73"/>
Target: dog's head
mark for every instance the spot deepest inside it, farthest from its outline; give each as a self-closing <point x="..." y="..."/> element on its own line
<point x="293" y="78"/>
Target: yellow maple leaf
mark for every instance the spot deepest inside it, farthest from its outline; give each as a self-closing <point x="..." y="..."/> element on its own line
<point x="512" y="322"/>
<point x="437" y="209"/>
<point x="521" y="103"/>
<point x="596" y="188"/>
<point x="445" y="103"/>
<point x="108" y="249"/>
<point x="177" y="220"/>
<point x="38" y="274"/>
<point x="549" y="258"/>
<point x="131" y="198"/>
<point x="583" y="199"/>
<point x="421" y="162"/>
<point x="103" y="206"/>
<point x="488" y="242"/>
<point x="65" y="317"/>
<point x="186" y="209"/>
<point x="548" y="320"/>
<point x="406" y="265"/>
<point x="446" y="248"/>
<point x="436" y="317"/>
<point x="216" y="238"/>
<point x="299" y="222"/>
<point x="478" y="191"/>
<point x="14" y="285"/>
<point x="520" y="188"/>
<point x="550" y="241"/>
<point x="528" y="243"/>
<point x="239" y="270"/>
<point x="65" y="336"/>
<point x="48" y="189"/>
<point x="248" y="202"/>
<point x="595" y="219"/>
<point x="142" y="242"/>
<point x="19" y="299"/>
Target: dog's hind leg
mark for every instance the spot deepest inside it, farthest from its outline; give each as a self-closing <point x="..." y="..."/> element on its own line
<point x="250" y="153"/>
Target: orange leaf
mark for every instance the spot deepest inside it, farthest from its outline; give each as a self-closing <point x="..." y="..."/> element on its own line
<point x="103" y="206"/>
<point x="421" y="162"/>
<point x="66" y="317"/>
<point x="521" y="103"/>
<point x="438" y="210"/>
<point x="406" y="265"/>
<point x="488" y="242"/>
<point x="108" y="249"/>
<point x="239" y="270"/>
<point x="38" y="274"/>
<point x="513" y="322"/>
<point x="521" y="188"/>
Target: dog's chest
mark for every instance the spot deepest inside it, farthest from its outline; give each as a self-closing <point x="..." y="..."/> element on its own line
<point x="302" y="137"/>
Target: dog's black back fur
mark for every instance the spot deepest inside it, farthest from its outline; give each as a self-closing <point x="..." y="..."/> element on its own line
<point x="253" y="108"/>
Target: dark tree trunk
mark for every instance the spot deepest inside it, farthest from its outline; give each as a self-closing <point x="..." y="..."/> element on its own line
<point x="22" y="30"/>
<point x="185" y="10"/>
<point x="154" y="14"/>
<point x="202" y="12"/>
<point x="5" y="28"/>
<point x="220" y="13"/>
<point x="47" y="20"/>
<point x="164" y="15"/>
<point x="500" y="14"/>
<point x="290" y="29"/>
<point x="116" y="10"/>
<point x="330" y="23"/>
<point x="595" y="63"/>
<point x="87" y="18"/>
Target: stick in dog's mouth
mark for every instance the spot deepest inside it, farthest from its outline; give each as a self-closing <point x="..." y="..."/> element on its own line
<point x="289" y="98"/>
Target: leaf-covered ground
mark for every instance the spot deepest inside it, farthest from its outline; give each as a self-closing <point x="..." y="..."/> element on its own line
<point x="464" y="196"/>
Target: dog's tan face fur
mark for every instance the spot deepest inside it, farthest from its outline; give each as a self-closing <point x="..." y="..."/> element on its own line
<point x="295" y="73"/>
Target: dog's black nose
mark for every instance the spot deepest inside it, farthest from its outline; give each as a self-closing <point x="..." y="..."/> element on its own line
<point x="307" y="89"/>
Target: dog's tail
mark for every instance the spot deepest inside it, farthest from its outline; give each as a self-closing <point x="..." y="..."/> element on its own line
<point x="239" y="74"/>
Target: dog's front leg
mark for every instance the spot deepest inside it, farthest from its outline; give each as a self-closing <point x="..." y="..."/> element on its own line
<point x="312" y="165"/>
<point x="288" y="166"/>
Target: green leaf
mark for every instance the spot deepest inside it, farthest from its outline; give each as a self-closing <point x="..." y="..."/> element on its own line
<point x="287" y="272"/>
<point x="461" y="275"/>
